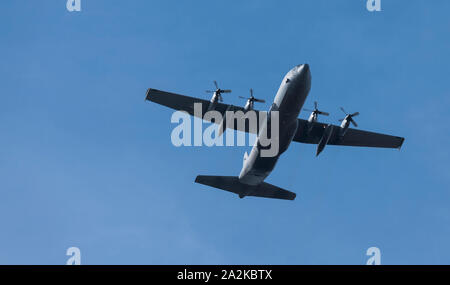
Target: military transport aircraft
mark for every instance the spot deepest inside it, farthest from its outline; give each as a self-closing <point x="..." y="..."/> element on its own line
<point x="288" y="102"/>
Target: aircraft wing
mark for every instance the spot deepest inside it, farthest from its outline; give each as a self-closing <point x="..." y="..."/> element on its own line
<point x="352" y="137"/>
<point x="186" y="103"/>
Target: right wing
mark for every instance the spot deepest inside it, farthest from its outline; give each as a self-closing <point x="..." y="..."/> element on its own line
<point x="352" y="137"/>
<point x="186" y="103"/>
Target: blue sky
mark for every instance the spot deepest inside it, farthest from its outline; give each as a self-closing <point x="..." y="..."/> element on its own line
<point x="85" y="162"/>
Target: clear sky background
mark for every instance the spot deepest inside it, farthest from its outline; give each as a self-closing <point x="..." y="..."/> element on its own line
<point x="85" y="162"/>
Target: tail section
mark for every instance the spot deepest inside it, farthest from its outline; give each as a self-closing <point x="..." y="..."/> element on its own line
<point x="232" y="184"/>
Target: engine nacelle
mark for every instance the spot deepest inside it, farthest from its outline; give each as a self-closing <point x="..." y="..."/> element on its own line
<point x="327" y="133"/>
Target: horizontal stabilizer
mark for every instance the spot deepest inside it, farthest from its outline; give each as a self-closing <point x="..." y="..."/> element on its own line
<point x="232" y="184"/>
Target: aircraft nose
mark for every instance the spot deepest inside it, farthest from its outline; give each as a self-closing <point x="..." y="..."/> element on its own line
<point x="301" y="68"/>
<point x="305" y="67"/>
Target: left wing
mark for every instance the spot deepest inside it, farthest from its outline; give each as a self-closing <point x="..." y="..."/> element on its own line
<point x="186" y="103"/>
<point x="352" y="137"/>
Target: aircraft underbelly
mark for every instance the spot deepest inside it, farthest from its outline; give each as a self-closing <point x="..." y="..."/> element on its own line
<point x="260" y="166"/>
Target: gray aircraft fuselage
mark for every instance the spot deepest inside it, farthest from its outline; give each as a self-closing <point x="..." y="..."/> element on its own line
<point x="289" y="100"/>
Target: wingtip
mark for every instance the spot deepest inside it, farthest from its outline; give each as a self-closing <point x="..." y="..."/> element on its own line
<point x="147" y="94"/>
<point x="401" y="143"/>
<point x="197" y="179"/>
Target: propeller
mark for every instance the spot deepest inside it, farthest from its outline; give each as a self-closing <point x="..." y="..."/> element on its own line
<point x="316" y="111"/>
<point x="349" y="117"/>
<point x="252" y="98"/>
<point x="218" y="91"/>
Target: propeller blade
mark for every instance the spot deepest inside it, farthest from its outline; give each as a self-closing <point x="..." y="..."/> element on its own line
<point x="354" y="123"/>
<point x="209" y="91"/>
<point x="260" y="100"/>
<point x="251" y="92"/>
<point x="340" y="120"/>
<point x="355" y="114"/>
<point x="225" y="91"/>
<point x="343" y="110"/>
<point x="324" y="113"/>
<point x="215" y="83"/>
<point x="315" y="105"/>
<point x="308" y="110"/>
<point x="243" y="97"/>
